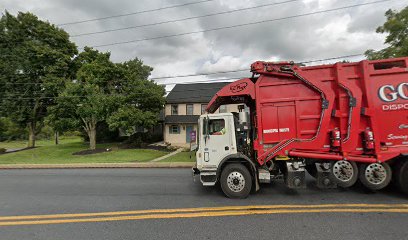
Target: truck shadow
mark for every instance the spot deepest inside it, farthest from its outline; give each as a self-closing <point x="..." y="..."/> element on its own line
<point x="277" y="191"/>
<point x="355" y="193"/>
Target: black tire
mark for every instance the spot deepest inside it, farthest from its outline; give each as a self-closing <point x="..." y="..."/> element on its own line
<point x="243" y="188"/>
<point x="401" y="175"/>
<point x="344" y="183"/>
<point x="312" y="170"/>
<point x="370" y="184"/>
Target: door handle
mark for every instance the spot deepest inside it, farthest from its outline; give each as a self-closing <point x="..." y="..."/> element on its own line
<point x="226" y="148"/>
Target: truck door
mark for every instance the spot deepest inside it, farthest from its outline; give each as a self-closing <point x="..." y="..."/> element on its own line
<point x="279" y="122"/>
<point x="218" y="143"/>
<point x="287" y="122"/>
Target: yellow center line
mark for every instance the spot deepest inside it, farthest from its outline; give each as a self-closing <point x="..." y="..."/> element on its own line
<point x="207" y="214"/>
<point x="201" y="209"/>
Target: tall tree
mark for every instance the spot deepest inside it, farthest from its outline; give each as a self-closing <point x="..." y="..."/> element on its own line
<point x="63" y="117"/>
<point x="141" y="99"/>
<point x="91" y="98"/>
<point x="119" y="94"/>
<point x="35" y="61"/>
<point x="396" y="27"/>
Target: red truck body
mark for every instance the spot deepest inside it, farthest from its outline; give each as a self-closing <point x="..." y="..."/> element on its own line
<point x="352" y="111"/>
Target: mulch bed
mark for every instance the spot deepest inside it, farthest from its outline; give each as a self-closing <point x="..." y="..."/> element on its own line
<point x="159" y="148"/>
<point x="88" y="151"/>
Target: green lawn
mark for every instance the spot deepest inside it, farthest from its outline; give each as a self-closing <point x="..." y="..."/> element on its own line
<point x="181" y="157"/>
<point x="38" y="143"/>
<point x="47" y="153"/>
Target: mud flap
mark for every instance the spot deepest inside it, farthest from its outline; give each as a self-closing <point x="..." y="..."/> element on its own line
<point x="323" y="177"/>
<point x="295" y="175"/>
<point x="256" y="184"/>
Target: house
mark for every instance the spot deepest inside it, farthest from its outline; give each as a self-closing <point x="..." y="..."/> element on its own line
<point x="184" y="105"/>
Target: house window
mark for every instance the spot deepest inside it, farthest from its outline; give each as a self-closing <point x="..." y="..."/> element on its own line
<point x="223" y="109"/>
<point x="174" y="129"/>
<point x="189" y="109"/>
<point x="203" y="107"/>
<point x="174" y="109"/>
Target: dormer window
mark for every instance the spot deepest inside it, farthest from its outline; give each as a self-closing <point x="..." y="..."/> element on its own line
<point x="189" y="109"/>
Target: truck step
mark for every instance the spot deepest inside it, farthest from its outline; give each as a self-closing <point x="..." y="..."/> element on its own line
<point x="208" y="178"/>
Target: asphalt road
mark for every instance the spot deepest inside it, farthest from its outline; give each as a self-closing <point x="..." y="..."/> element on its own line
<point x="40" y="192"/>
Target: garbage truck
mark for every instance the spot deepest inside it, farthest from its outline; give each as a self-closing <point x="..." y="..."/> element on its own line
<point x="341" y="123"/>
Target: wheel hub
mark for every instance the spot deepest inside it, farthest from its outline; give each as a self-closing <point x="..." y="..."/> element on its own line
<point x="375" y="173"/>
<point x="343" y="171"/>
<point x="236" y="181"/>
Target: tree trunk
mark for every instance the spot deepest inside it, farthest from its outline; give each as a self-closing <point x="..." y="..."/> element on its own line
<point x="92" y="137"/>
<point x="56" y="138"/>
<point x="31" y="135"/>
<point x="90" y="128"/>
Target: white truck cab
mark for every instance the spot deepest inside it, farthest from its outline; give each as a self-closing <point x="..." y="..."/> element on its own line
<point x="216" y="140"/>
<point x="220" y="157"/>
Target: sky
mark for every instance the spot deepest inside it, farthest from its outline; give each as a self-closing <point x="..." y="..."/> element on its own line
<point x="313" y="36"/>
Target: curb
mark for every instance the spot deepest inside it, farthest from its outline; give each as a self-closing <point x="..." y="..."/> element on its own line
<point x="100" y="165"/>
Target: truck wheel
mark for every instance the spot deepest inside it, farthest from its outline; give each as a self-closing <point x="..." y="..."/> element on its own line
<point x="401" y="176"/>
<point x="344" y="173"/>
<point x="375" y="176"/>
<point x="236" y="181"/>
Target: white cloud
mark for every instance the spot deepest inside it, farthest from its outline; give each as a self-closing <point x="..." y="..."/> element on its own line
<point x="317" y="36"/>
<point x="225" y="63"/>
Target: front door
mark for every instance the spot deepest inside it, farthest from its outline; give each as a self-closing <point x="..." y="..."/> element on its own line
<point x="189" y="129"/>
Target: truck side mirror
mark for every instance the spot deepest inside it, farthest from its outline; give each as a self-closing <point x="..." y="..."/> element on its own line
<point x="193" y="147"/>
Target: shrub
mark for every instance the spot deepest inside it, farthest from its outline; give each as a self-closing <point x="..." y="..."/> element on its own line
<point x="9" y="130"/>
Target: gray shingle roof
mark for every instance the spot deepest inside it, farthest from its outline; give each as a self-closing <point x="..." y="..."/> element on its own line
<point x="194" y="93"/>
<point x="181" y="119"/>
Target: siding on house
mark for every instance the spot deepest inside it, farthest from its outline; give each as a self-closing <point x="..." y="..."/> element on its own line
<point x="181" y="95"/>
